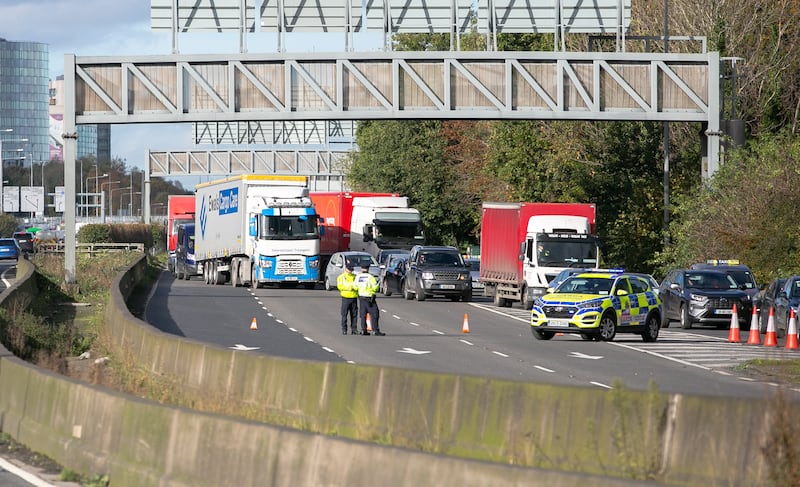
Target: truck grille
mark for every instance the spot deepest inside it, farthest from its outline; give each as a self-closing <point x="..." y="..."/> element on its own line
<point x="289" y="267"/>
<point x="445" y="276"/>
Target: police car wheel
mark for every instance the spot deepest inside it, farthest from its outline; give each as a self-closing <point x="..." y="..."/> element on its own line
<point x="608" y="327"/>
<point x="541" y="334"/>
<point x="651" y="327"/>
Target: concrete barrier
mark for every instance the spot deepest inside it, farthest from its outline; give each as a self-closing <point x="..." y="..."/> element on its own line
<point x="415" y="427"/>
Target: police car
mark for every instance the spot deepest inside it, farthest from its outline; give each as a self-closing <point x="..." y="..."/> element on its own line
<point x="598" y="305"/>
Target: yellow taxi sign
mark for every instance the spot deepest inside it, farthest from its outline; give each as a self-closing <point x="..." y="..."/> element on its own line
<point x="723" y="262"/>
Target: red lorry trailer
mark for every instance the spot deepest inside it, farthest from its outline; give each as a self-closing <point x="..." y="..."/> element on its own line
<point x="180" y="209"/>
<point x="336" y="211"/>
<point x="516" y="236"/>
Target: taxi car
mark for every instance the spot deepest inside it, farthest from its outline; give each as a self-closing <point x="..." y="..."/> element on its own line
<point x="598" y="305"/>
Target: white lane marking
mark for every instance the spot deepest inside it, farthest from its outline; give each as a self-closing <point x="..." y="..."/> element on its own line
<point x="308" y="339"/>
<point x="466" y="342"/>
<point x="544" y="369"/>
<point x="26" y="476"/>
<point x="244" y="348"/>
<point x="413" y="324"/>
<point x="599" y="384"/>
<point x="438" y="332"/>
<point x="328" y="349"/>
<point x="583" y="355"/>
<point x="492" y="310"/>
<point x="500" y="354"/>
<point x="666" y="357"/>
<point x="294" y="329"/>
<point x="395" y="317"/>
<point x="279" y="321"/>
<point x="270" y="315"/>
<point x="413" y="352"/>
<point x="264" y="308"/>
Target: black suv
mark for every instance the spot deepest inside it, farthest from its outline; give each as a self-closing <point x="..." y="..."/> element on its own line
<point x="437" y="271"/>
<point x="702" y="296"/>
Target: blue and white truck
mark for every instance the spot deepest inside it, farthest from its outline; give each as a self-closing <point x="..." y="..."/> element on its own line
<point x="257" y="229"/>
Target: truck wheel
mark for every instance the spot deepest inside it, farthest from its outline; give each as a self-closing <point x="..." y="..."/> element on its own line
<point x="420" y="292"/>
<point x="499" y="301"/>
<point x="186" y="275"/>
<point x="253" y="279"/>
<point x="651" y="328"/>
<point x="608" y="327"/>
<point x="235" y="273"/>
<point x="541" y="334"/>
<point x="467" y="296"/>
<point x="178" y="273"/>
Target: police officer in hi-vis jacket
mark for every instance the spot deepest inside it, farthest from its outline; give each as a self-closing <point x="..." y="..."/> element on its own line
<point x="345" y="283"/>
<point x="367" y="287"/>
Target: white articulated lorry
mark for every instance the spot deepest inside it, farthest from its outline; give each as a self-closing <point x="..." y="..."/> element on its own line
<point x="384" y="222"/>
<point x="257" y="229"/>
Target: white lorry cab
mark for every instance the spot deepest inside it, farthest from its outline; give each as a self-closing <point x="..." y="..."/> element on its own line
<point x="257" y="229"/>
<point x="384" y="222"/>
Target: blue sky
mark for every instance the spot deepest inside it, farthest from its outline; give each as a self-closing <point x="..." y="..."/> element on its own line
<point x="122" y="28"/>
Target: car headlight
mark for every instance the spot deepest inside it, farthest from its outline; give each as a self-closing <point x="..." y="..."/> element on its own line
<point x="427" y="275"/>
<point x="698" y="298"/>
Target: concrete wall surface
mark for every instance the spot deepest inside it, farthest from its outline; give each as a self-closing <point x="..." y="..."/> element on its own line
<point x="443" y="429"/>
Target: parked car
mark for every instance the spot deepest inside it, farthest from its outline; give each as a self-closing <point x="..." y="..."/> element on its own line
<point x="351" y="257"/>
<point x="703" y="296"/>
<point x="766" y="300"/>
<point x="786" y="300"/>
<point x="25" y="241"/>
<point x="393" y="276"/>
<point x="437" y="271"/>
<point x="9" y="249"/>
<point x="475" y="273"/>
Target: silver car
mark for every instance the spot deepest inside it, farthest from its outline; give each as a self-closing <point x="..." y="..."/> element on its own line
<point x="341" y="259"/>
<point x="475" y="273"/>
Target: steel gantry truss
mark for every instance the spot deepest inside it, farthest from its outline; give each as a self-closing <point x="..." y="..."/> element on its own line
<point x="387" y="85"/>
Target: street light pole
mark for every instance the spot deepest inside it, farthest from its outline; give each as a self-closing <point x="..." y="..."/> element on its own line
<point x="2" y="201"/>
<point x="109" y="183"/>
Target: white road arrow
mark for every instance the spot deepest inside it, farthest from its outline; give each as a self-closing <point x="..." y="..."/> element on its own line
<point x="583" y="355"/>
<point x="414" y="352"/>
<point x="244" y="348"/>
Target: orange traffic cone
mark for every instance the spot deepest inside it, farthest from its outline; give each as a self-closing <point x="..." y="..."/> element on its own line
<point x="369" y="324"/>
<point x="733" y="333"/>
<point x="771" y="338"/>
<point x="791" y="334"/>
<point x="755" y="334"/>
<point x="253" y="325"/>
<point x="465" y="325"/>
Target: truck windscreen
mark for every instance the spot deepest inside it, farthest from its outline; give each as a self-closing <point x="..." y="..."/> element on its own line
<point x="566" y="253"/>
<point x="298" y="227"/>
<point x="401" y="230"/>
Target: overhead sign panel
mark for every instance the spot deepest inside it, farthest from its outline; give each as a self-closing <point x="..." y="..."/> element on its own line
<point x="575" y="16"/>
<point x="410" y="16"/>
<point x="202" y="15"/>
<point x="307" y="15"/>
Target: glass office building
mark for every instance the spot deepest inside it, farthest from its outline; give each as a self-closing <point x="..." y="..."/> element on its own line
<point x="24" y="102"/>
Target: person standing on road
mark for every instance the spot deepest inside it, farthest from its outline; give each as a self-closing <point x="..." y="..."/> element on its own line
<point x="346" y="285"/>
<point x="367" y="287"/>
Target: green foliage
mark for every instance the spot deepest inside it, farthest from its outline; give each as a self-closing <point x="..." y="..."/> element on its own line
<point x="94" y="233"/>
<point x="408" y="157"/>
<point x="747" y="212"/>
<point x="8" y="225"/>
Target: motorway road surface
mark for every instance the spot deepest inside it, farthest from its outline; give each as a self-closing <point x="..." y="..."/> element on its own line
<point x="304" y="324"/>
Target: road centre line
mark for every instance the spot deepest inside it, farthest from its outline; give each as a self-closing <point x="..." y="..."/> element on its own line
<point x="413" y="324"/>
<point x="600" y="384"/>
<point x="500" y="354"/>
<point x="544" y="369"/>
<point x="438" y="332"/>
<point x="466" y="342"/>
